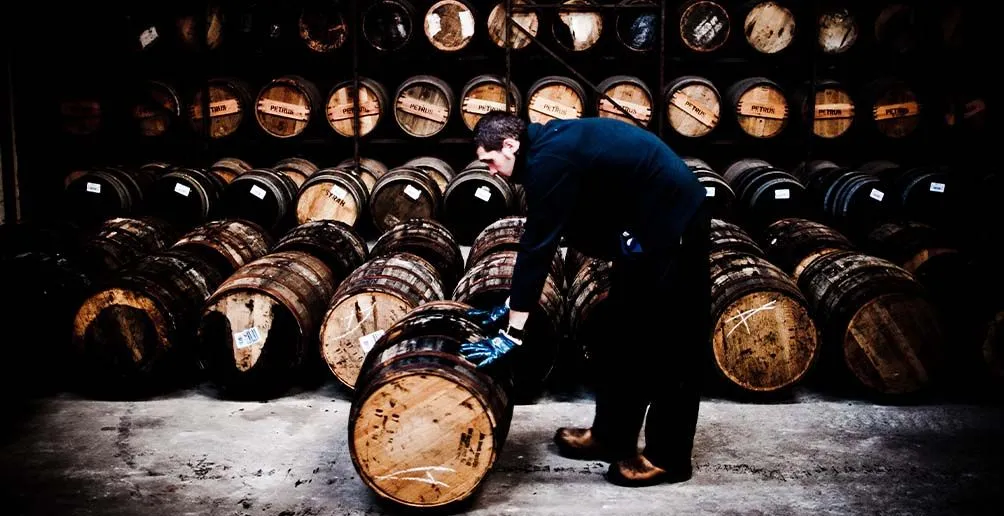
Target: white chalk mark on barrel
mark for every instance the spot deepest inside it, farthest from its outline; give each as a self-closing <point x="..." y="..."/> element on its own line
<point x="428" y="478"/>
<point x="348" y="320"/>
<point x="747" y="315"/>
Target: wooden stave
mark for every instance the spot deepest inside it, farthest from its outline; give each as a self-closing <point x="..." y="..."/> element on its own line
<point x="515" y="97"/>
<point x="674" y="113"/>
<point x="428" y="239"/>
<point x="310" y="28"/>
<point x="158" y="109"/>
<point x="372" y="88"/>
<point x="718" y="40"/>
<point x="855" y="201"/>
<point x="369" y="170"/>
<point x="420" y="279"/>
<point x="121" y="241"/>
<point x="131" y="188"/>
<point x="302" y="86"/>
<point x="764" y="203"/>
<point x="579" y="8"/>
<point x="228" y="243"/>
<point x="225" y="125"/>
<point x="409" y="17"/>
<point x="888" y="91"/>
<point x="790" y="241"/>
<point x="727" y="236"/>
<point x="739" y="89"/>
<point x="820" y="92"/>
<point x="633" y="45"/>
<point x="841" y="20"/>
<point x="440" y="171"/>
<point x="496" y="25"/>
<point x="282" y="189"/>
<point x="616" y="80"/>
<point x="203" y="188"/>
<point x="343" y="178"/>
<point x="443" y="90"/>
<point x="336" y="244"/>
<point x="383" y="219"/>
<point x="504" y="235"/>
<point x="805" y="171"/>
<point x="778" y="44"/>
<point x="554" y="80"/>
<point x="296" y="168"/>
<point x="460" y="212"/>
<point x="586" y="293"/>
<point x="437" y="9"/>
<point x="227" y="168"/>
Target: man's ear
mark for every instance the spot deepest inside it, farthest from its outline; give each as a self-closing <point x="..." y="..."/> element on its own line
<point x="510" y="146"/>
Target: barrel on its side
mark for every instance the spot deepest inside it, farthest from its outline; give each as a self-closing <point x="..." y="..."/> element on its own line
<point x="332" y="194"/>
<point x="156" y="109"/>
<point x="636" y="28"/>
<point x="403" y="193"/>
<point x="228" y="244"/>
<point x="187" y="196"/>
<point x="226" y="169"/>
<point x="121" y="241"/>
<point x="577" y="27"/>
<point x="497" y="22"/>
<point x="717" y="191"/>
<point x="486" y="93"/>
<point x="693" y="105"/>
<point x="429" y="240"/>
<point x="769" y="27"/>
<point x="895" y="107"/>
<point x="373" y="104"/>
<point x="229" y="104"/>
<point x="827" y="107"/>
<point x="474" y="199"/>
<point x="337" y="244"/>
<point x="764" y="192"/>
<point x="389" y="25"/>
<point x="838" y="30"/>
<point x="759" y="105"/>
<point x="106" y="192"/>
<point x="449" y="25"/>
<point x="732" y="238"/>
<point x="555" y="97"/>
<point x="704" y="25"/>
<point x="423" y="105"/>
<point x="631" y="94"/>
<point x="285" y="106"/>
<point x="262" y="196"/>
<point x="793" y="243"/>
<point x="323" y="26"/>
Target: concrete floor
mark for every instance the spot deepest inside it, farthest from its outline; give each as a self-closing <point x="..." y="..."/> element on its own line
<point x="191" y="453"/>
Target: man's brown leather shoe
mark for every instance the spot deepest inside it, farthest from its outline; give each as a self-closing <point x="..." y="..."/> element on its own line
<point x="579" y="443"/>
<point x="639" y="472"/>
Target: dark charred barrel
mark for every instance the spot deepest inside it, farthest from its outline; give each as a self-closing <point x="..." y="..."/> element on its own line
<point x="258" y="330"/>
<point x="156" y="109"/>
<point x="877" y="320"/>
<point x="764" y="338"/>
<point x="769" y="26"/>
<point x="693" y="105"/>
<point x="637" y="28"/>
<point x="485" y="284"/>
<point x="631" y="94"/>
<point x="851" y="201"/>
<point x="930" y="194"/>
<point x="450" y="25"/>
<point x="764" y="193"/>
<point x="226" y="169"/>
<point x="485" y="93"/>
<point x="227" y="244"/>
<point x="578" y="26"/>
<point x="429" y="240"/>
<point x="389" y="25"/>
<point x="759" y="105"/>
<point x="229" y="104"/>
<point x="102" y="193"/>
<point x="793" y="243"/>
<point x="187" y="196"/>
<point x="704" y="25"/>
<point x="555" y="97"/>
<point x="336" y="244"/>
<point x="286" y="105"/>
<point x="423" y="105"/>
<point x="367" y="303"/>
<point x="332" y="194"/>
<point x="416" y="391"/>
<point x="133" y="335"/>
<point x="837" y="30"/>
<point x="504" y="235"/>
<point x="474" y="199"/>
<point x="121" y="241"/>
<point x="323" y="26"/>
<point x="403" y="193"/>
<point x="262" y="196"/>
<point x="726" y="236"/>
<point x="827" y="107"/>
<point x="718" y="193"/>
<point x="517" y="38"/>
<point x="373" y="106"/>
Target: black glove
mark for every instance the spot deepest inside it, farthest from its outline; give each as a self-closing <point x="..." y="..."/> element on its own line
<point x="489" y="350"/>
<point x="489" y="320"/>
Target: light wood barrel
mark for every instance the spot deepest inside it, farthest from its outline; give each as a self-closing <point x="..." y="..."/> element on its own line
<point x="136" y="330"/>
<point x="637" y="28"/>
<point x="450" y="25"/>
<point x="898" y="28"/>
<point x="378" y="293"/>
<point x="102" y="193"/>
<point x="555" y="97"/>
<point x="828" y="107"/>
<point x="704" y="25"/>
<point x="226" y="169"/>
<point x="335" y="243"/>
<point x="401" y="194"/>
<point x="630" y="93"/>
<point x="876" y="317"/>
<point x="341" y="106"/>
<point x="732" y="238"/>
<point x="285" y="106"/>
<point x="759" y="105"/>
<point x="186" y="196"/>
<point x="187" y="27"/>
<point x="473" y="200"/>
<point x="121" y="241"/>
<point x="227" y="244"/>
<point x="262" y="196"/>
<point x="693" y="105"/>
<point x="389" y="25"/>
<point x="578" y="27"/>
<point x="417" y="392"/>
<point x="229" y="104"/>
<point x="504" y="235"/>
<point x="423" y="105"/>
<point x="793" y="243"/>
<point x="486" y="93"/>
<point x="895" y="107"/>
<point x="297" y="169"/>
<point x="769" y="27"/>
<point x="838" y="30"/>
<point x="259" y="328"/>
<point x="332" y="194"/>
<point x="764" y="338"/>
<point x="497" y="25"/>
<point x="323" y="26"/>
<point x="369" y="169"/>
<point x="429" y="240"/>
<point x="156" y="109"/>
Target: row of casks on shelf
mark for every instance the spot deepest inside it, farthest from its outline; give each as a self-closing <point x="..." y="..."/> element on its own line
<point x="367" y="195"/>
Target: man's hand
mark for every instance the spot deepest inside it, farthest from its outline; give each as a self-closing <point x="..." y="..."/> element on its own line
<point x="489" y="350"/>
<point x="489" y="320"/>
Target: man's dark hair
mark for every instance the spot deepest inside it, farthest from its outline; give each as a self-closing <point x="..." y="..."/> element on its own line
<point x="493" y="128"/>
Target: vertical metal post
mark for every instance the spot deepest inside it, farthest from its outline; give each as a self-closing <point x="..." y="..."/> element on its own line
<point x="508" y="53"/>
<point x="355" y="82"/>
<point x="658" y="100"/>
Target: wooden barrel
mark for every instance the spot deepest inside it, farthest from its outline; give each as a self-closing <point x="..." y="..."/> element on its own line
<point x="474" y="199"/>
<point x="450" y="25"/>
<point x="793" y="243"/>
<point x="440" y="171"/>
<point x="378" y="293"/>
<point x="156" y="109"/>
<point x="486" y="284"/>
<point x="497" y="25"/>
<point x="587" y="315"/>
<point x="403" y="193"/>
<point x="504" y="235"/>
<point x="262" y="196"/>
<point x="226" y="169"/>
<point x="769" y="27"/>
<point x="851" y="201"/>
<point x="323" y="26"/>
<point x="631" y="94"/>
<point x="341" y="106"/>
<point x="486" y="93"/>
<point x="894" y="106"/>
<point x="229" y="103"/>
<point x="389" y="25"/>
<point x="415" y="396"/>
<point x="726" y="236"/>
<point x="369" y="170"/>
<point x="136" y="331"/>
<point x="638" y="28"/>
<point x="827" y="107"/>
<point x="227" y="244"/>
<point x="285" y="105"/>
<point x="188" y="24"/>
<point x="81" y="114"/>
<point x="693" y="105"/>
<point x="332" y="194"/>
<point x="297" y="169"/>
<point x="335" y="243"/>
<point x="186" y="196"/>
<point x="259" y="328"/>
<point x="579" y="25"/>
<point x="423" y="105"/>
<point x="554" y="97"/>
<point x="717" y="191"/>
<point x="764" y="193"/>
<point x="121" y="241"/>
<point x="927" y="253"/>
<point x="930" y="194"/>
<point x="898" y="28"/>
<point x="759" y="105"/>
<point x="429" y="240"/>
<point x="877" y="318"/>
<point x="837" y="30"/>
<point x="704" y="25"/>
<point x="106" y="192"/>
<point x="764" y="339"/>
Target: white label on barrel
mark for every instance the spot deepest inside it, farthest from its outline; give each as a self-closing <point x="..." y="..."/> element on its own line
<point x="93" y="188"/>
<point x="783" y="193"/>
<point x="710" y="191"/>
<point x="338" y="192"/>
<point x="553" y="108"/>
<point x="878" y="195"/>
<point x="284" y="109"/>
<point x="248" y="337"/>
<point x="258" y="191"/>
<point x="434" y="25"/>
<point x="182" y="189"/>
<point x="466" y="24"/>
<point x="148" y="36"/>
<point x="483" y="193"/>
<point x="412" y="192"/>
<point x="773" y="241"/>
<point x="367" y="341"/>
<point x="938" y="187"/>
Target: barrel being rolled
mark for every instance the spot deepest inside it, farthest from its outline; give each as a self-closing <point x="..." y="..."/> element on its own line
<point x="793" y="243"/>
<point x="367" y="303"/>
<point x="404" y="193"/>
<point x="632" y="96"/>
<point x="156" y="109"/>
<point x="426" y="426"/>
<point x="228" y="104"/>
<point x="555" y="97"/>
<point x="285" y="105"/>
<point x="373" y="104"/>
<point x="337" y="244"/>
<point x="497" y="25"/>
<point x="693" y="105"/>
<point x="504" y="235"/>
<point x="474" y="199"/>
<point x="578" y="27"/>
<point x="389" y="25"/>
<point x="332" y="194"/>
<point x="262" y="196"/>
<point x="423" y="105"/>
<point x="704" y="25"/>
<point x="227" y="244"/>
<point x="449" y="25"/>
<point x="259" y="327"/>
<point x="486" y="93"/>
<point x="759" y="105"/>
<point x="429" y="240"/>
